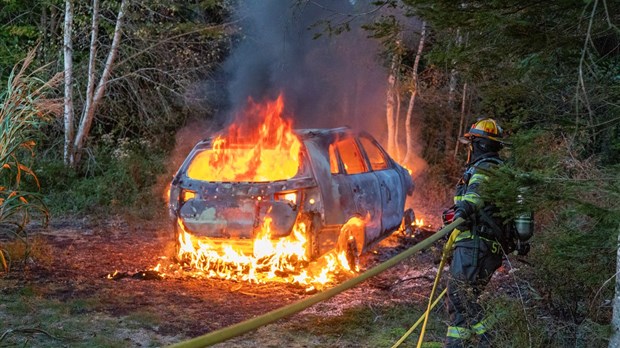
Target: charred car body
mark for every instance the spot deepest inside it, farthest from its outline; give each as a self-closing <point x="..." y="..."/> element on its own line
<point x="342" y="174"/>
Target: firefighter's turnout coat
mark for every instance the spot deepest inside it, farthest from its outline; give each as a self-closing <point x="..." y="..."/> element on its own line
<point x="477" y="254"/>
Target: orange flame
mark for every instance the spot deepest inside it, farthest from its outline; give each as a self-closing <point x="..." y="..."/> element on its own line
<point x="418" y="223"/>
<point x="280" y="260"/>
<point x="259" y="147"/>
<point x="350" y="233"/>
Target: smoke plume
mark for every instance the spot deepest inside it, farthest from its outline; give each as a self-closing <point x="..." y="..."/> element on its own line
<point x="331" y="81"/>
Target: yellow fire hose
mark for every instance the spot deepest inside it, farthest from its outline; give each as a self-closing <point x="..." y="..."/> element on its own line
<point x="431" y="304"/>
<point x="245" y="326"/>
<point x="422" y="317"/>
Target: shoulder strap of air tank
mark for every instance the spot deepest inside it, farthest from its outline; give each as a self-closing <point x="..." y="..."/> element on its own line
<point x="495" y="160"/>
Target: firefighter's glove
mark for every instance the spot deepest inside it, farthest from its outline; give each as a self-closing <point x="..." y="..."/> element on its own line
<point x="459" y="213"/>
<point x="448" y="216"/>
<point x="523" y="248"/>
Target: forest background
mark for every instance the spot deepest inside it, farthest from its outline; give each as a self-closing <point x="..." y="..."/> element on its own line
<point x="549" y="72"/>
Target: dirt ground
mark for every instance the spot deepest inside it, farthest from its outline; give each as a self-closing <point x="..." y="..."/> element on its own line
<point x="84" y="252"/>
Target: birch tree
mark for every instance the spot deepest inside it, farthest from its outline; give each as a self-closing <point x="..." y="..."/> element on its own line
<point x="391" y="104"/>
<point x="398" y="102"/>
<point x="68" y="99"/>
<point x="95" y="90"/>
<point x="454" y="73"/>
<point x="462" y="121"/>
<point x="414" y="91"/>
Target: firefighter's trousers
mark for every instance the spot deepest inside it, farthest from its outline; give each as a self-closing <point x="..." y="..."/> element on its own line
<point x="474" y="260"/>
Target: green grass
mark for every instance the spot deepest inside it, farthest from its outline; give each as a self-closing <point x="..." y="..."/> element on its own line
<point x="29" y="319"/>
<point x="376" y="326"/>
<point x="143" y="319"/>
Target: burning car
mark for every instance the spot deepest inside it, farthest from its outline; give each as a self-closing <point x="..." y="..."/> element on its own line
<point x="328" y="188"/>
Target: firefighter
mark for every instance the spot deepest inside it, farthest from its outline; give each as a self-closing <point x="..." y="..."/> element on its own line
<point x="477" y="251"/>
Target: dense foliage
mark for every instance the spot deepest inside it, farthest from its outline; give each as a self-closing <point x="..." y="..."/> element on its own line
<point x="550" y="73"/>
<point x="169" y="49"/>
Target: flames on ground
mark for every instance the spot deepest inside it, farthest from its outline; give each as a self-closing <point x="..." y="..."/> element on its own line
<point x="280" y="260"/>
<point x="272" y="260"/>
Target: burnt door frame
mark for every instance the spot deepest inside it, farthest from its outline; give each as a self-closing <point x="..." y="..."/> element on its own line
<point x="365" y="190"/>
<point x="392" y="197"/>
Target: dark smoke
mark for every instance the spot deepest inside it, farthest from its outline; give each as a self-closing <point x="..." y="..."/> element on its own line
<point x="327" y="82"/>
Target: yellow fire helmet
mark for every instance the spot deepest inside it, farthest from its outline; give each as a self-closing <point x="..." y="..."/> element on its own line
<point x="486" y="128"/>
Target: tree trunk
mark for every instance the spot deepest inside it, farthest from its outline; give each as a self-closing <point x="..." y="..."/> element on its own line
<point x="462" y="121"/>
<point x="614" y="342"/>
<point x="414" y="81"/>
<point x="53" y="22"/>
<point x="68" y="100"/>
<point x="390" y="106"/>
<point x="454" y="74"/>
<point x="397" y="121"/>
<point x="94" y="30"/>
<point x="89" y="110"/>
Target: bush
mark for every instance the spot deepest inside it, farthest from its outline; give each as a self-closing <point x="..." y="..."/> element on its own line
<point x="121" y="177"/>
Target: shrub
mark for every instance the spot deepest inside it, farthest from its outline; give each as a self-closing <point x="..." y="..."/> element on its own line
<point x="121" y="177"/>
<point x="23" y="108"/>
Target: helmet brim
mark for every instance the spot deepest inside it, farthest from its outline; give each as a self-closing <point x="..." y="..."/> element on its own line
<point x="464" y="140"/>
<point x="467" y="138"/>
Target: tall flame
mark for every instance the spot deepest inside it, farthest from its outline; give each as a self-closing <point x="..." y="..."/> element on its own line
<point x="259" y="146"/>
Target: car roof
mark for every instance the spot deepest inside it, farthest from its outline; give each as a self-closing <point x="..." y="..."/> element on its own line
<point x="322" y="132"/>
<point x="322" y="135"/>
<point x="328" y="133"/>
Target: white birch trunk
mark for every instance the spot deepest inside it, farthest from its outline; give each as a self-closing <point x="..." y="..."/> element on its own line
<point x="68" y="98"/>
<point x="89" y="113"/>
<point x="94" y="30"/>
<point x="390" y="106"/>
<point x="454" y="74"/>
<point x="397" y="120"/>
<point x="452" y="87"/>
<point x="414" y="78"/>
<point x="462" y="121"/>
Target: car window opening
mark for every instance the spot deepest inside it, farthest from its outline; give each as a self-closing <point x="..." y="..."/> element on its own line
<point x="375" y="155"/>
<point x="351" y="156"/>
<point x="241" y="165"/>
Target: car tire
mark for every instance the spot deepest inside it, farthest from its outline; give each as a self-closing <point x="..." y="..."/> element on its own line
<point x="407" y="226"/>
<point x="351" y="241"/>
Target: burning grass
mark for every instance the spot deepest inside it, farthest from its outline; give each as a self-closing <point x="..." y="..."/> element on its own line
<point x="281" y="260"/>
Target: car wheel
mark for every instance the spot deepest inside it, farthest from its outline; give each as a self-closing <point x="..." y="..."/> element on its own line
<point x="407" y="225"/>
<point x="351" y="241"/>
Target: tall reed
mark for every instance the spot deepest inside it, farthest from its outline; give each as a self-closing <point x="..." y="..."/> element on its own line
<point x="24" y="107"/>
